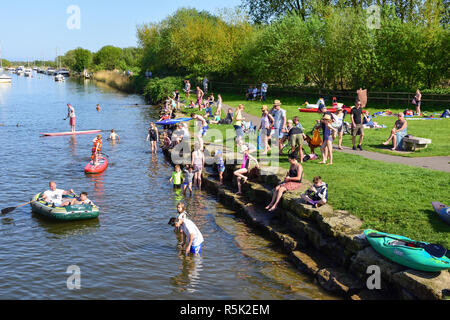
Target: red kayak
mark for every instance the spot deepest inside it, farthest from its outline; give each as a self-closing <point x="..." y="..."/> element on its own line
<point x="70" y="133"/>
<point x="102" y="165"/>
<point x="316" y="110"/>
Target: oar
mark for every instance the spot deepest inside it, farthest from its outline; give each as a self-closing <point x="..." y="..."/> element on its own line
<point x="10" y="209"/>
<point x="105" y="154"/>
<point x="435" y="250"/>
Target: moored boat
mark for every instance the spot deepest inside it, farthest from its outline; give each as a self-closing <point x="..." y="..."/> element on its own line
<point x="69" y="213"/>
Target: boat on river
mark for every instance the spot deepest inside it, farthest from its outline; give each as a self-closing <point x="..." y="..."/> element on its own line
<point x="69" y="213"/>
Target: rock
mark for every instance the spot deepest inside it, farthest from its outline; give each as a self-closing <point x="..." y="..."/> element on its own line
<point x="304" y="262"/>
<point x="377" y="295"/>
<point x="424" y="285"/>
<point x="337" y="281"/>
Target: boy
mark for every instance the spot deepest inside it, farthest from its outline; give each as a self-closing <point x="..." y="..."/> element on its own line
<point x="317" y="194"/>
<point x="192" y="237"/>
<point x="220" y="165"/>
<point x="188" y="177"/>
<point x="113" y="136"/>
<point x="177" y="177"/>
<point x="83" y="199"/>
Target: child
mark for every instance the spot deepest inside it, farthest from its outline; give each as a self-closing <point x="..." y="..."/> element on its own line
<point x="96" y="149"/>
<point x="182" y="214"/>
<point x="317" y="194"/>
<point x="81" y="200"/>
<point x="188" y="178"/>
<point x="113" y="136"/>
<point x="220" y="165"/>
<point x="177" y="177"/>
<point x="216" y="118"/>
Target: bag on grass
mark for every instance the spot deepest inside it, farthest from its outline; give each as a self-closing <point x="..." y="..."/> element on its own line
<point x="316" y="139"/>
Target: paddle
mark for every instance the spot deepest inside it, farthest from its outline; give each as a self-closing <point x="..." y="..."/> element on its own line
<point x="435" y="250"/>
<point x="10" y="209"/>
<point x="105" y="154"/>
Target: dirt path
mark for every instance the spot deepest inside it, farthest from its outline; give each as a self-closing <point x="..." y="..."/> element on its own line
<point x="434" y="163"/>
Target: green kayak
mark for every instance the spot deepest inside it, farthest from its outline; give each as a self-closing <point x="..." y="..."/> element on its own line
<point x="69" y="213"/>
<point x="407" y="252"/>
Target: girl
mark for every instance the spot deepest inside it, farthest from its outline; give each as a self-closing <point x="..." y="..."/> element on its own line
<point x="198" y="162"/>
<point x="153" y="136"/>
<point x="327" y="146"/>
<point x="219" y="103"/>
<point x="96" y="149"/>
<point x="244" y="167"/>
<point x="292" y="181"/>
<point x="220" y="165"/>
<point x="266" y="127"/>
<point x="339" y="125"/>
<point x="238" y="124"/>
<point x="188" y="178"/>
<point x="416" y="101"/>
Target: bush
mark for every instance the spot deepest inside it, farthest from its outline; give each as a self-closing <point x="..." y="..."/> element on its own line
<point x="157" y="90"/>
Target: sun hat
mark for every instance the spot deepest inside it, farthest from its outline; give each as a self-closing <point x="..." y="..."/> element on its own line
<point x="326" y="117"/>
<point x="339" y="108"/>
<point x="277" y="103"/>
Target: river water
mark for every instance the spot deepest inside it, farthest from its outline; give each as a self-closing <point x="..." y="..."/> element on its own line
<point x="129" y="252"/>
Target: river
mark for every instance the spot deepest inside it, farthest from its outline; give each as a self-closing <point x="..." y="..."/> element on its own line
<point x="129" y="252"/>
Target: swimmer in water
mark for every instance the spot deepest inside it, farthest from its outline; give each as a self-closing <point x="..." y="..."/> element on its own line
<point x="98" y="108"/>
<point x="113" y="136"/>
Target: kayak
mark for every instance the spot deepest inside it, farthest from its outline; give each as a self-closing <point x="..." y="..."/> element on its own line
<point x="69" y="213"/>
<point x="56" y="134"/>
<point x="102" y="165"/>
<point x="404" y="251"/>
<point x="442" y="210"/>
<point x="173" y="121"/>
<point x="316" y="110"/>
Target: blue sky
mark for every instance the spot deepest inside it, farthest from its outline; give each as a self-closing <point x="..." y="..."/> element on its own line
<point x="34" y="29"/>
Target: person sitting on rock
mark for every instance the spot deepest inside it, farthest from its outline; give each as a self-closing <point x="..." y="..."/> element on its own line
<point x="317" y="194"/>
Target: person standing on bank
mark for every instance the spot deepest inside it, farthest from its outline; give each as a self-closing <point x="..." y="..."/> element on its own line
<point x="357" y="125"/>
<point x="279" y="116"/>
<point x="71" y="115"/>
<point x="416" y="101"/>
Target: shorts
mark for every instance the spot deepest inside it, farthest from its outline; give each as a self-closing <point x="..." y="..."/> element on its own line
<point x="340" y="129"/>
<point x="358" y="130"/>
<point x="197" y="249"/>
<point x="204" y="129"/>
<point x="239" y="131"/>
<point x="198" y="167"/>
<point x="73" y="121"/>
<point x="268" y="132"/>
<point x="278" y="133"/>
<point x="296" y="140"/>
<point x="221" y="168"/>
<point x="177" y="186"/>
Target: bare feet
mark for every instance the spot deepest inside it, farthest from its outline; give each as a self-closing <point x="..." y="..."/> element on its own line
<point x="238" y="193"/>
<point x="329" y="163"/>
<point x="385" y="143"/>
<point x="340" y="148"/>
<point x="272" y="209"/>
<point x="392" y="149"/>
<point x="269" y="206"/>
<point x="245" y="179"/>
<point x="321" y="162"/>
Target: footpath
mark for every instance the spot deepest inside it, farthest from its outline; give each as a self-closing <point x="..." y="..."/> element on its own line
<point x="434" y="163"/>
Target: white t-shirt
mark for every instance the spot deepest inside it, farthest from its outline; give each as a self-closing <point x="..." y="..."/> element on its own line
<point x="54" y="196"/>
<point x="189" y="228"/>
<point x="71" y="112"/>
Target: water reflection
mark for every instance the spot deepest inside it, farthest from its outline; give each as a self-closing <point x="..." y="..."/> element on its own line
<point x="58" y="229"/>
<point x="189" y="277"/>
<point x="73" y="144"/>
<point x="98" y="180"/>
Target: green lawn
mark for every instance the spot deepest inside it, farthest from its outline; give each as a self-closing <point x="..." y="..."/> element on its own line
<point x="436" y="130"/>
<point x="389" y="197"/>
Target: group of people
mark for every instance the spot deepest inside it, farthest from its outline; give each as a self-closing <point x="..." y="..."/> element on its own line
<point x="54" y="197"/>
<point x="253" y="92"/>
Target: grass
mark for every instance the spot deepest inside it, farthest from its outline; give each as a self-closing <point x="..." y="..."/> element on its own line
<point x="389" y="197"/>
<point x="436" y="130"/>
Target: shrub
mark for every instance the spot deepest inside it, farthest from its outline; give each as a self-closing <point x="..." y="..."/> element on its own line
<point x="157" y="90"/>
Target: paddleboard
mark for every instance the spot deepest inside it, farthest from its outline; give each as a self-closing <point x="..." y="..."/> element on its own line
<point x="102" y="165"/>
<point x="442" y="210"/>
<point x="55" y="134"/>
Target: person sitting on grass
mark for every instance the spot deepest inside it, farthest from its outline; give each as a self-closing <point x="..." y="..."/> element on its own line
<point x="177" y="177"/>
<point x="317" y="194"/>
<point x="229" y="118"/>
<point x="292" y="182"/>
<point x="397" y="133"/>
<point x="82" y="199"/>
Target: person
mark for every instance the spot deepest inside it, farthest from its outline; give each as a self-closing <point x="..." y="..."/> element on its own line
<point x="296" y="138"/>
<point x="211" y="99"/>
<point x="317" y="194"/>
<point x="71" y="115"/>
<point x="219" y="104"/>
<point x="201" y="122"/>
<point x="82" y="199"/>
<point x="205" y="84"/>
<point x="279" y="116"/>
<point x="98" y="108"/>
<point x="187" y="88"/>
<point x="416" y="101"/>
<point x="96" y="149"/>
<point x="244" y="167"/>
<point x="339" y="125"/>
<point x="176" y="99"/>
<point x="265" y="127"/>
<point x="166" y="141"/>
<point x="198" y="163"/>
<point x="208" y="111"/>
<point x="113" y="135"/>
<point x="328" y="136"/>
<point x="264" y="87"/>
<point x="321" y="103"/>
<point x="153" y="136"/>
<point x="357" y="125"/>
<point x="238" y="124"/>
<point x="229" y="118"/>
<point x="254" y="93"/>
<point x="216" y="119"/>
<point x="192" y="237"/>
<point x="54" y="196"/>
<point x="200" y="95"/>
<point x="177" y="177"/>
<point x="191" y="105"/>
<point x="249" y="93"/>
<point x="292" y="182"/>
<point x="397" y="133"/>
<point x="220" y="165"/>
<point x="188" y="173"/>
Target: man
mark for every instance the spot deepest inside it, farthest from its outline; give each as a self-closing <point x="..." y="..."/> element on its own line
<point x="54" y="196"/>
<point x="203" y="127"/>
<point x="357" y="125"/>
<point x="205" y="84"/>
<point x="187" y="88"/>
<point x="71" y="115"/>
<point x="264" y="87"/>
<point x="192" y="237"/>
<point x="200" y="95"/>
<point x="279" y="116"/>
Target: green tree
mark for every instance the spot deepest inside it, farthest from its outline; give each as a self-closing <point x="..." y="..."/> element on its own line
<point x="108" y="58"/>
<point x="83" y="59"/>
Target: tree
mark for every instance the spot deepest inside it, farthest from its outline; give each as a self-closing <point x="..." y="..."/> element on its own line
<point x="83" y="59"/>
<point x="108" y="58"/>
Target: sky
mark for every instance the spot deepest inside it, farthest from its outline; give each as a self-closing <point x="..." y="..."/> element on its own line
<point x="34" y="30"/>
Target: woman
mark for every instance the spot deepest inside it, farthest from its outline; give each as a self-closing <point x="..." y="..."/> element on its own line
<point x="153" y="136"/>
<point x="238" y="124"/>
<point x="327" y="145"/>
<point x="266" y="127"/>
<point x="292" y="182"/>
<point x="244" y="167"/>
<point x="416" y="101"/>
<point x="398" y="132"/>
<point x="219" y="103"/>
<point x="296" y="138"/>
<point x="198" y="162"/>
<point x="339" y="125"/>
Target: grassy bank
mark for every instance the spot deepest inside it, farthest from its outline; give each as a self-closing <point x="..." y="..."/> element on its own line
<point x="436" y="130"/>
<point x="115" y="80"/>
<point x="389" y="197"/>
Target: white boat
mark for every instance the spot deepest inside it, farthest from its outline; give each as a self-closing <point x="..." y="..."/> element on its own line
<point x="4" y="78"/>
<point x="20" y="70"/>
<point x="28" y="72"/>
<point x="60" y="78"/>
<point x="64" y="72"/>
<point x="50" y="71"/>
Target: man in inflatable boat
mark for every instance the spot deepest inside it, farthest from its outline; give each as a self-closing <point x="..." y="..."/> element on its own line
<point x="54" y="196"/>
